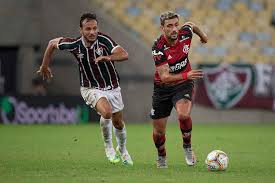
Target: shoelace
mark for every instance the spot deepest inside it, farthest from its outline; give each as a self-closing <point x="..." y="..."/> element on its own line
<point x="125" y="157"/>
<point x="189" y="153"/>
<point x="110" y="153"/>
<point x="161" y="162"/>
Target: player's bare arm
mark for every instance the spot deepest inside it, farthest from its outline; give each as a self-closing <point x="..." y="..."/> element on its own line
<point x="168" y="77"/>
<point x="198" y="31"/>
<point x="44" y="69"/>
<point x="118" y="55"/>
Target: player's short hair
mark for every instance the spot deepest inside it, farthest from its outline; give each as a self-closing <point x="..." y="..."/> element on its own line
<point x="88" y="16"/>
<point x="167" y="15"/>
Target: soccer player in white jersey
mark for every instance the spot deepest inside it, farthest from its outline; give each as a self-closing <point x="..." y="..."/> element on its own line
<point x="96" y="53"/>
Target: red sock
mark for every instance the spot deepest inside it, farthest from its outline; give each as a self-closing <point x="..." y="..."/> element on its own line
<point x="159" y="141"/>
<point x="186" y="128"/>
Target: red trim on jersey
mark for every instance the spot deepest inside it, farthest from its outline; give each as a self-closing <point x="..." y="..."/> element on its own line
<point x="160" y="42"/>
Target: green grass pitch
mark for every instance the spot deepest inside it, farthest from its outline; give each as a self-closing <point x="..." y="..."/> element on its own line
<point x="74" y="153"/>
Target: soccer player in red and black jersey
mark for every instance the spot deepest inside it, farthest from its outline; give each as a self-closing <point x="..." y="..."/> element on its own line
<point x="174" y="82"/>
<point x="96" y="53"/>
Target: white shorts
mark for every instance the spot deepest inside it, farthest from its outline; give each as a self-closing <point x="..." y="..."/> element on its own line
<point x="92" y="95"/>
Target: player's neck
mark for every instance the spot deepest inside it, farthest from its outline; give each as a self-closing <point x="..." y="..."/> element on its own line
<point x="88" y="43"/>
<point x="171" y="41"/>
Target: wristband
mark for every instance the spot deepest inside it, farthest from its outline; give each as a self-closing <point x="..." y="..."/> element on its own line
<point x="184" y="75"/>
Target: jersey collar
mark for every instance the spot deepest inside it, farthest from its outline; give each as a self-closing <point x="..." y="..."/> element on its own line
<point x="83" y="42"/>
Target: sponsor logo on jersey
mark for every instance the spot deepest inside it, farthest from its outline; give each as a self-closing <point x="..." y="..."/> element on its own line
<point x="226" y="84"/>
<point x="166" y="47"/>
<point x="178" y="66"/>
<point x="183" y="38"/>
<point x="157" y="55"/>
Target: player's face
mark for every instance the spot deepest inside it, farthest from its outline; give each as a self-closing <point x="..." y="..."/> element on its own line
<point x="89" y="30"/>
<point x="171" y="28"/>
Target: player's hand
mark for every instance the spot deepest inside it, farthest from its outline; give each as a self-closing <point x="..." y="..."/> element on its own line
<point x="45" y="72"/>
<point x="195" y="74"/>
<point x="204" y="38"/>
<point x="102" y="59"/>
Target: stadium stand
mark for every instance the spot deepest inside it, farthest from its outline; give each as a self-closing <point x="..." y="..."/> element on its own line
<point x="239" y="30"/>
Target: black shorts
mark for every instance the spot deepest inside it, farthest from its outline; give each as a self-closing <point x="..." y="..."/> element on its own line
<point x="165" y="97"/>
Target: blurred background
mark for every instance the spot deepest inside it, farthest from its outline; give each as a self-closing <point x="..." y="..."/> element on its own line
<point x="238" y="60"/>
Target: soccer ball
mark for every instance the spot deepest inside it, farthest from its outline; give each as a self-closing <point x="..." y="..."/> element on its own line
<point x="217" y="160"/>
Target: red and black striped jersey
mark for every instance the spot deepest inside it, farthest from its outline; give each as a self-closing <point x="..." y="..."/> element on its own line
<point x="102" y="75"/>
<point x="176" y="56"/>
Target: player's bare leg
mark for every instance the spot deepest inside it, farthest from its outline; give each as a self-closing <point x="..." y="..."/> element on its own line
<point x="159" y="130"/>
<point x="120" y="133"/>
<point x="183" y="108"/>
<point x="105" y="109"/>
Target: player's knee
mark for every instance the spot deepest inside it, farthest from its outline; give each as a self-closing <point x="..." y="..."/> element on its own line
<point x="106" y="113"/>
<point x="159" y="131"/>
<point x="183" y="116"/>
<point x="118" y="124"/>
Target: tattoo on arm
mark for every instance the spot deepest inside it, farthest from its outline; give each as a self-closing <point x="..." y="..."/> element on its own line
<point x="164" y="69"/>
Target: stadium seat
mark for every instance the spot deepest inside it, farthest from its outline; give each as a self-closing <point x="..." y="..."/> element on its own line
<point x="238" y="30"/>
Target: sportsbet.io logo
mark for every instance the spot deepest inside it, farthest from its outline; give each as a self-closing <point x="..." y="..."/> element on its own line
<point x="178" y="66"/>
<point x="226" y="84"/>
<point x="14" y="111"/>
<point x="6" y="109"/>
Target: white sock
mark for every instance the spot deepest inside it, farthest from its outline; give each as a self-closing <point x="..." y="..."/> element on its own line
<point x="121" y="139"/>
<point x="106" y="131"/>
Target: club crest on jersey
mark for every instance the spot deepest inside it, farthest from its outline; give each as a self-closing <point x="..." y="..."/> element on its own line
<point x="185" y="49"/>
<point x="99" y="51"/>
<point x="226" y="84"/>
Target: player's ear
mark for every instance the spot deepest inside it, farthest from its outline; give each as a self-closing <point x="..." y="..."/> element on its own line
<point x="80" y="31"/>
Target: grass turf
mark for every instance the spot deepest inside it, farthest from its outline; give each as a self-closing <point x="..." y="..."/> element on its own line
<point x="74" y="153"/>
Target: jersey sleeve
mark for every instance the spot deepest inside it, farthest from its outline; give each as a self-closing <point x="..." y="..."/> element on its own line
<point x="108" y="42"/>
<point x="158" y="56"/>
<point x="68" y="44"/>
<point x="187" y="29"/>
